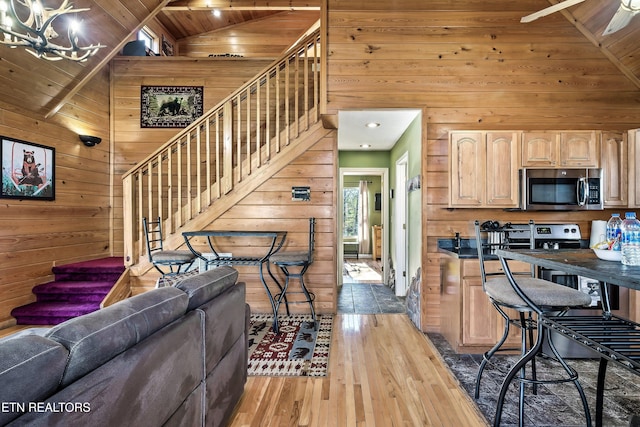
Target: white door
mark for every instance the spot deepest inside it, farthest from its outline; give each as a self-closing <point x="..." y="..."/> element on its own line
<point x="400" y="225"/>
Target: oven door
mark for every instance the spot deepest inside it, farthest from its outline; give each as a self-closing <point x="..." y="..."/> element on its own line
<point x="584" y="284"/>
<point x="560" y="277"/>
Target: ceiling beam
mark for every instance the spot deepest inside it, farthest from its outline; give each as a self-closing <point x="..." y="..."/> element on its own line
<point x="185" y="5"/>
<point x="59" y="103"/>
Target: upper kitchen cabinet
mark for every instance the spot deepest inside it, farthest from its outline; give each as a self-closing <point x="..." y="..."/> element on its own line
<point x="634" y="167"/>
<point x="560" y="149"/>
<point x="484" y="169"/>
<point x="539" y="149"/>
<point x="579" y="149"/>
<point x="613" y="159"/>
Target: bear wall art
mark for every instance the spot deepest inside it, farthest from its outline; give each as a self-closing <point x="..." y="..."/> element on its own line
<point x="27" y="170"/>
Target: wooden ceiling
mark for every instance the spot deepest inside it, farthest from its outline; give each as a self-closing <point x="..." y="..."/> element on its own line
<point x="254" y="28"/>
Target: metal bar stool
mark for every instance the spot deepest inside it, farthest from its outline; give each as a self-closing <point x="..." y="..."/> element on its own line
<point x="527" y="295"/>
<point x="301" y="260"/>
<point x="167" y="262"/>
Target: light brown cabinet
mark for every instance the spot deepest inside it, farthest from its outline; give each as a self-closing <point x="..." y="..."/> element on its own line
<point x="484" y="169"/>
<point x="613" y="160"/>
<point x="560" y="149"/>
<point x="376" y="241"/>
<point x="470" y="322"/>
<point x="634" y="168"/>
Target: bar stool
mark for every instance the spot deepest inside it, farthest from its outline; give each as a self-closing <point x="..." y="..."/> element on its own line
<point x="301" y="260"/>
<point x="524" y="295"/>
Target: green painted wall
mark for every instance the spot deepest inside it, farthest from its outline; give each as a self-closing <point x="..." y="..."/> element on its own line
<point x="363" y="159"/>
<point x="410" y="142"/>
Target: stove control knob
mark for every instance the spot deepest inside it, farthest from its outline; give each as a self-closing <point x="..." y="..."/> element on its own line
<point x="545" y="245"/>
<point x="556" y="245"/>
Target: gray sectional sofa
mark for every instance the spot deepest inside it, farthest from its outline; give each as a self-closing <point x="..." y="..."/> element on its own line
<point x="174" y="356"/>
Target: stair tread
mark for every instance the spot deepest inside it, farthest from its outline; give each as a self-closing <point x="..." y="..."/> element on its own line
<point x="82" y="287"/>
<point x="103" y="265"/>
<point x="54" y="308"/>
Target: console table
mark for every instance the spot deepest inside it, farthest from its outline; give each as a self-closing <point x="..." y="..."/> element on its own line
<point x="272" y="239"/>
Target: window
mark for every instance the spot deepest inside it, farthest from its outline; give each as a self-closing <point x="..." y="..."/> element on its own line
<point x="351" y="196"/>
<point x="150" y="39"/>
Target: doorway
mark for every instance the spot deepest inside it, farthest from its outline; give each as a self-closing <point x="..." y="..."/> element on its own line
<point x="400" y="246"/>
<point x="364" y="271"/>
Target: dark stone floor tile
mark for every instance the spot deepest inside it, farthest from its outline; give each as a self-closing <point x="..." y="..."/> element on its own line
<point x="556" y="404"/>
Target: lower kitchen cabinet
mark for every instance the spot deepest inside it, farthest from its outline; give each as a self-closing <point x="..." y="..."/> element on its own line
<point x="470" y="322"/>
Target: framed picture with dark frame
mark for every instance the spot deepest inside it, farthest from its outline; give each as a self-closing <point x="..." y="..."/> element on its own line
<point x="170" y="106"/>
<point x="28" y="170"/>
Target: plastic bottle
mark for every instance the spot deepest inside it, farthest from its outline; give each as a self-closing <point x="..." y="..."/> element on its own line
<point x="630" y="241"/>
<point x="614" y="230"/>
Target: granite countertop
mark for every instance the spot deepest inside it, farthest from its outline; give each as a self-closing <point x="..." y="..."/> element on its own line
<point x="467" y="250"/>
<point x="582" y="262"/>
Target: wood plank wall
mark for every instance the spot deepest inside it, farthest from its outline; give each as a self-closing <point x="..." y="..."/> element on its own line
<point x="471" y="69"/>
<point x="36" y="235"/>
<point x="219" y="77"/>
<point x="270" y="208"/>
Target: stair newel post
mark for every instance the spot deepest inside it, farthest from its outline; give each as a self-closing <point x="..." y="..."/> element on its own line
<point x="128" y="190"/>
<point x="227" y="148"/>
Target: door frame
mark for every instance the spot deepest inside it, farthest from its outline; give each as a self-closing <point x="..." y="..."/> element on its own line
<point x="383" y="173"/>
<point x="400" y="224"/>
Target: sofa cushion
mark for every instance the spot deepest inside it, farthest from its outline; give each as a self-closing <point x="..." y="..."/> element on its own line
<point x="95" y="338"/>
<point x="31" y="368"/>
<point x="147" y="385"/>
<point x="207" y="285"/>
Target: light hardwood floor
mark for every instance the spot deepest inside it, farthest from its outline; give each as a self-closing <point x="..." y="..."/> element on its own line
<point x="382" y="372"/>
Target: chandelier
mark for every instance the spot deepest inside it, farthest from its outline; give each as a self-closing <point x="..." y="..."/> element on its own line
<point x="29" y="24"/>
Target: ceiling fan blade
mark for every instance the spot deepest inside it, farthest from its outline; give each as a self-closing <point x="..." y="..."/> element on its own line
<point x="620" y="19"/>
<point x="549" y="10"/>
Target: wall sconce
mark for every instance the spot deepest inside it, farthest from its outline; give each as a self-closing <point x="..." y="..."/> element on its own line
<point x="89" y="140"/>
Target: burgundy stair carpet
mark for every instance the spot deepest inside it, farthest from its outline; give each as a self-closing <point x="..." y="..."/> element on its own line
<point x="78" y="289"/>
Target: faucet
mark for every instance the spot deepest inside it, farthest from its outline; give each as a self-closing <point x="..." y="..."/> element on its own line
<point x="457" y="242"/>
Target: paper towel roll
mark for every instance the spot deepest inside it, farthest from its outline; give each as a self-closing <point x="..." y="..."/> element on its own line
<point x="598" y="232"/>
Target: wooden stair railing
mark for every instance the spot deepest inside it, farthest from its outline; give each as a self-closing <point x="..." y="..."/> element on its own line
<point x="225" y="146"/>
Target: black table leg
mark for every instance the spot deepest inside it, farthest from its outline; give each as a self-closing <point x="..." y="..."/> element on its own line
<point x="602" y="373"/>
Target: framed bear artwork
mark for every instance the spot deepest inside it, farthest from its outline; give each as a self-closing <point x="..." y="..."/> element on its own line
<point x="170" y="106"/>
<point x="27" y="170"/>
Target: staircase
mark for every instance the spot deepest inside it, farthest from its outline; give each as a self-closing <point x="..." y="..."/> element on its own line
<point x="78" y="289"/>
<point x="225" y="154"/>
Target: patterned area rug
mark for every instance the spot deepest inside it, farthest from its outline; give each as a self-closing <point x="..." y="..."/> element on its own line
<point x="298" y="350"/>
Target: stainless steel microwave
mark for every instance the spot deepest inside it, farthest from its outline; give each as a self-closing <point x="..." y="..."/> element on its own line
<point x="561" y="189"/>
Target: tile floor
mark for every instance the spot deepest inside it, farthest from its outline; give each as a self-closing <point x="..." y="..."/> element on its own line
<point x="556" y="404"/>
<point x="367" y="297"/>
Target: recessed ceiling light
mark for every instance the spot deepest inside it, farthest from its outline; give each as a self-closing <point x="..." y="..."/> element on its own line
<point x="372" y="125"/>
<point x="216" y="13"/>
<point x="365" y="145"/>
